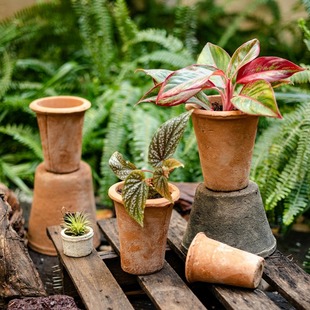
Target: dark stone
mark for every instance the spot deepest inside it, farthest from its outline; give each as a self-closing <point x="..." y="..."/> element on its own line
<point x="55" y="302"/>
<point x="236" y="218"/>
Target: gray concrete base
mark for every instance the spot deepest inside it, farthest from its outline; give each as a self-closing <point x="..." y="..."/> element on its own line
<point x="236" y="218"/>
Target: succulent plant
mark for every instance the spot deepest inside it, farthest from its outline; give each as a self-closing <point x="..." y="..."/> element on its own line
<point x="75" y="223"/>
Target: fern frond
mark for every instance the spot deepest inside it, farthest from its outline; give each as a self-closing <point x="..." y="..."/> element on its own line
<point x="26" y="136"/>
<point x="160" y="37"/>
<point x="301" y="77"/>
<point x="6" y="76"/>
<point x="168" y="58"/>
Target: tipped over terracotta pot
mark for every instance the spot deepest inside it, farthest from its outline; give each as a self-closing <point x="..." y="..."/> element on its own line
<point x="215" y="262"/>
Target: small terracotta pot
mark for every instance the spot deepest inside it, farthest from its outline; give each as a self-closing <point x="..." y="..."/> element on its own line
<point x="225" y="143"/>
<point x="77" y="246"/>
<point x="211" y="261"/>
<point x="142" y="249"/>
<point x="60" y="121"/>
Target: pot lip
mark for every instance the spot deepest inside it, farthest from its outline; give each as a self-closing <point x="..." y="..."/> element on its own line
<point x="88" y="235"/>
<point x="216" y="114"/>
<point x="157" y="202"/>
<point x="60" y="105"/>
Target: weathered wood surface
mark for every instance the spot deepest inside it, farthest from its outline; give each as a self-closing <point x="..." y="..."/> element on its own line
<point x="18" y="275"/>
<point x="231" y="298"/>
<point x="289" y="279"/>
<point x="93" y="280"/>
<point x="165" y="288"/>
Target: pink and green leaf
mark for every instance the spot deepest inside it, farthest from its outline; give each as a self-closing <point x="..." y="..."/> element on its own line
<point x="215" y="56"/>
<point x="257" y="98"/>
<point x="158" y="75"/>
<point x="134" y="194"/>
<point x="185" y="83"/>
<point x="271" y="69"/>
<point x="243" y="55"/>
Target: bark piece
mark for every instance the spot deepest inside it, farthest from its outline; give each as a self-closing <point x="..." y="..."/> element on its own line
<point x="18" y="275"/>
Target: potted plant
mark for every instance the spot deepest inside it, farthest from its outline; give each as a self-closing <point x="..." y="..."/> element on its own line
<point x="144" y="200"/>
<point x="77" y="234"/>
<point x="225" y="125"/>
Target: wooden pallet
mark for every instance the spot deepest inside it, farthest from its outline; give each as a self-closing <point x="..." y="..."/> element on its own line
<point x="101" y="284"/>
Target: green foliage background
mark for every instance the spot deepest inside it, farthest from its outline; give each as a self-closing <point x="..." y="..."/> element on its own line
<point x="91" y="48"/>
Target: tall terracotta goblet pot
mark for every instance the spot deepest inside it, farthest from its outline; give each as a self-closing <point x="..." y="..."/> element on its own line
<point x="225" y="143"/>
<point x="142" y="249"/>
<point x="60" y="120"/>
<point x="212" y="261"/>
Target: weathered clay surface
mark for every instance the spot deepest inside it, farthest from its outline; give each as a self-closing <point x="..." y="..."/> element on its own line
<point x="225" y="143"/>
<point x="211" y="261"/>
<point x="60" y="120"/>
<point x="53" y="192"/>
<point x="142" y="249"/>
<point x="236" y="218"/>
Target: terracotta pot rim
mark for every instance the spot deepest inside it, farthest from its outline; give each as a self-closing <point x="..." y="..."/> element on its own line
<point x="216" y="114"/>
<point x="86" y="236"/>
<point x="158" y="202"/>
<point x="55" y="105"/>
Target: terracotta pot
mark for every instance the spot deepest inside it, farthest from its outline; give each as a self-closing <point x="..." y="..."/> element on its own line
<point x="225" y="144"/>
<point x="142" y="249"/>
<point x="77" y="246"/>
<point x="211" y="261"/>
<point x="60" y="121"/>
<point x="73" y="191"/>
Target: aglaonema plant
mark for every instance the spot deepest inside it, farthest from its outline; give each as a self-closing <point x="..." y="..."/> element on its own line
<point x="143" y="184"/>
<point x="244" y="81"/>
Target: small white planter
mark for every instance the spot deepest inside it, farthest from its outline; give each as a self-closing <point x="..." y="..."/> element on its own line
<point x="77" y="246"/>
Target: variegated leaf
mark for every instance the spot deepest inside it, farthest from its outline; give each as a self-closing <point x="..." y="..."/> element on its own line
<point x="185" y="83"/>
<point x="158" y="75"/>
<point x="215" y="56"/>
<point x="160" y="182"/>
<point x="121" y="167"/>
<point x="166" y="139"/>
<point x="243" y="55"/>
<point x="135" y="193"/>
<point x="257" y="98"/>
<point x="270" y="69"/>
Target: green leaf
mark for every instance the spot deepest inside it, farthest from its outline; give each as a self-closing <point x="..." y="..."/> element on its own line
<point x="135" y="193"/>
<point x="214" y="55"/>
<point x="167" y="138"/>
<point x="171" y="164"/>
<point x="158" y="75"/>
<point x="257" y="98"/>
<point x="160" y="182"/>
<point x="121" y="167"/>
<point x="243" y="55"/>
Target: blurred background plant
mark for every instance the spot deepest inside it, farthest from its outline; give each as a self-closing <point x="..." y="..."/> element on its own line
<point x="91" y="48"/>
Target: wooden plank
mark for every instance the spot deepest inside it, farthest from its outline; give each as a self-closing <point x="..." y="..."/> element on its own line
<point x="165" y="288"/>
<point x="93" y="280"/>
<point x="230" y="297"/>
<point x="289" y="279"/>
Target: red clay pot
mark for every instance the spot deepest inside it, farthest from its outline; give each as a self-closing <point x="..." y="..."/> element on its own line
<point x="211" y="261"/>
<point x="225" y="143"/>
<point x="142" y="249"/>
<point x="60" y="120"/>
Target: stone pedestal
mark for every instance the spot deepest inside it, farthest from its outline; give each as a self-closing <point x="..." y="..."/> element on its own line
<point x="236" y="218"/>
